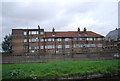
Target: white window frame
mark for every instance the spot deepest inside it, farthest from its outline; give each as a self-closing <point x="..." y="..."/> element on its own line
<point x="59" y="39"/>
<point x="41" y="33"/>
<point x="41" y="47"/>
<point x="84" y="38"/>
<point x="92" y="45"/>
<point x="25" y="47"/>
<point x="25" y="33"/>
<point x="25" y="40"/>
<point x="41" y="40"/>
<point x="46" y="47"/>
<point x="80" y="38"/>
<point x="33" y="40"/>
<point x="59" y="46"/>
<point x="89" y="38"/>
<point x="88" y="45"/>
<point x="33" y="51"/>
<point x="67" y="39"/>
<point x="67" y="46"/>
<point x="50" y="39"/>
<point x="76" y="45"/>
<point x="33" y="32"/>
<point x="50" y="47"/>
<point x="99" y="38"/>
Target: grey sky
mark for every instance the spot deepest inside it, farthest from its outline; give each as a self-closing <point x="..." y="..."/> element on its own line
<point x="100" y="17"/>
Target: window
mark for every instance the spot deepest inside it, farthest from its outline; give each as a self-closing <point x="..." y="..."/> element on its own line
<point x="29" y="47"/>
<point x="33" y="47"/>
<point x="80" y="38"/>
<point x="76" y="45"/>
<point x="30" y="40"/>
<point x="33" y="40"/>
<point x="99" y="38"/>
<point x="67" y="46"/>
<point x="25" y="47"/>
<point x="88" y="45"/>
<point x="93" y="38"/>
<point x="45" y="40"/>
<point x="45" y="47"/>
<point x="41" y="33"/>
<point x="67" y="39"/>
<point x="89" y="38"/>
<point x="84" y="45"/>
<point x="25" y="33"/>
<point x="50" y="39"/>
<point x="33" y="51"/>
<point x="25" y="40"/>
<point x="99" y="45"/>
<point x="50" y="46"/>
<point x="41" y="40"/>
<point x="92" y="45"/>
<point x="75" y="39"/>
<point x="59" y="46"/>
<point x="41" y="47"/>
<point x="83" y="38"/>
<point x="33" y="32"/>
<point x="59" y="39"/>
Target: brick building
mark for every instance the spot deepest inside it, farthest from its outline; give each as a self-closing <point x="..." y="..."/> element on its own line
<point x="38" y="41"/>
<point x="112" y="40"/>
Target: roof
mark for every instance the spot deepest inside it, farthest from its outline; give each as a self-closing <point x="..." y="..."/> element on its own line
<point x="72" y="34"/>
<point x="114" y="35"/>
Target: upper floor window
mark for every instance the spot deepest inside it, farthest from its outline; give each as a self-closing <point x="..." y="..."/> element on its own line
<point x="33" y="40"/>
<point x="33" y="32"/>
<point x="25" y="40"/>
<point x="33" y="47"/>
<point x="75" y="39"/>
<point x="41" y="33"/>
<point x="50" y="46"/>
<point x="99" y="38"/>
<point x="25" y="33"/>
<point x="50" y="39"/>
<point x="89" y="38"/>
<point x="59" y="39"/>
<point x="67" y="39"/>
<point x="84" y="38"/>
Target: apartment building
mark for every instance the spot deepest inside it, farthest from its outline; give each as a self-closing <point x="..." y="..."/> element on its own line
<point x="38" y="41"/>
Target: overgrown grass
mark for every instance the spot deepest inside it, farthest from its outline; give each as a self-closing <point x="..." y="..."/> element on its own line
<point x="58" y="69"/>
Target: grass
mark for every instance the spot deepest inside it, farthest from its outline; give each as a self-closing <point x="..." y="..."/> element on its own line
<point x="58" y="69"/>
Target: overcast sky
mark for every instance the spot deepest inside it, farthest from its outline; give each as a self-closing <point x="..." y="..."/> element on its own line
<point x="100" y="17"/>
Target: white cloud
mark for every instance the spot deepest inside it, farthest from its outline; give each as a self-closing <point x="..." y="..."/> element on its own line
<point x="62" y="15"/>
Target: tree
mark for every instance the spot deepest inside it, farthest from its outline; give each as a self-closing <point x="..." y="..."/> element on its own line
<point x="7" y="44"/>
